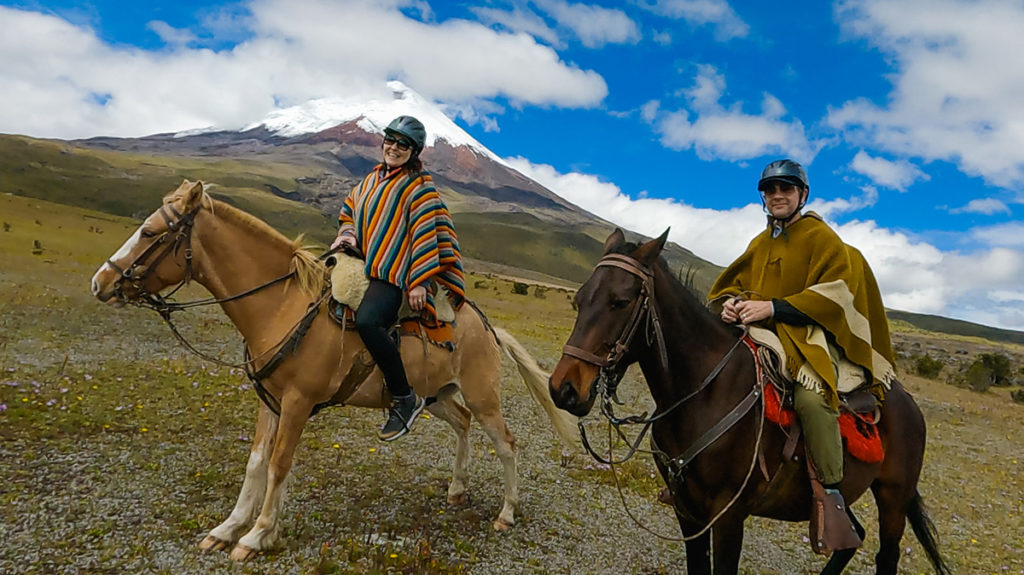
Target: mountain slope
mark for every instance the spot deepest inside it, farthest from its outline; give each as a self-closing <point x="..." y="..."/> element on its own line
<point x="313" y="155"/>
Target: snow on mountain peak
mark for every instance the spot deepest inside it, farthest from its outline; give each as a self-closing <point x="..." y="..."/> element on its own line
<point x="372" y="115"/>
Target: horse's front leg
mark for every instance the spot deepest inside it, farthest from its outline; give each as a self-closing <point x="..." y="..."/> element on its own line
<point x="727" y="544"/>
<point x="253" y="487"/>
<point x="698" y="549"/>
<point x="264" y="534"/>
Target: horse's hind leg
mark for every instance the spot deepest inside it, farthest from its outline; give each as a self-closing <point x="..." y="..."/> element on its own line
<point x="892" y="521"/>
<point x="254" y="486"/>
<point x="458" y="417"/>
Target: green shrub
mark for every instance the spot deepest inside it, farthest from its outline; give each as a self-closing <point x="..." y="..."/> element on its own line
<point x="978" y="377"/>
<point x="519" y="288"/>
<point x="927" y="366"/>
<point x="1000" y="367"/>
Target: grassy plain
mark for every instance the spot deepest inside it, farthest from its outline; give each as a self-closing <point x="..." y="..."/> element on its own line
<point x="119" y="450"/>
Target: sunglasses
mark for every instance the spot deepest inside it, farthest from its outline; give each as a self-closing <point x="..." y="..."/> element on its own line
<point x="402" y="144"/>
<point x="777" y="188"/>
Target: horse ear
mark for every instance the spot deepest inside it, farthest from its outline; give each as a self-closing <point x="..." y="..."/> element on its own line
<point x="615" y="240"/>
<point x="193" y="195"/>
<point x="648" y="252"/>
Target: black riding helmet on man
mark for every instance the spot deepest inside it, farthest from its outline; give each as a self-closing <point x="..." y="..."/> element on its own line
<point x="781" y="174"/>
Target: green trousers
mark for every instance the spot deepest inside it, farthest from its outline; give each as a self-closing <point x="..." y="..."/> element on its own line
<point x="821" y="433"/>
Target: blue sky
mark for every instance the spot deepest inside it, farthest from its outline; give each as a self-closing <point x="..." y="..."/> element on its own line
<point x="907" y="113"/>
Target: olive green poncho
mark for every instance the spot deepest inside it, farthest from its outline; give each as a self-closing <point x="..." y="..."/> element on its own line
<point x="811" y="268"/>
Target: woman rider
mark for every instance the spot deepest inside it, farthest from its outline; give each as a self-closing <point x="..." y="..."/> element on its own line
<point x="397" y="219"/>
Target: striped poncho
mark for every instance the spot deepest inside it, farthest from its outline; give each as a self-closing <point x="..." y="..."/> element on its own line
<point x="405" y="231"/>
<point x="811" y="268"/>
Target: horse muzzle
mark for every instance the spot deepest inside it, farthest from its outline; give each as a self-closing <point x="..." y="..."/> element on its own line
<point x="107" y="286"/>
<point x="566" y="387"/>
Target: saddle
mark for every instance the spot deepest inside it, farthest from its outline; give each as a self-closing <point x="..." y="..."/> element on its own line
<point x="348" y="286"/>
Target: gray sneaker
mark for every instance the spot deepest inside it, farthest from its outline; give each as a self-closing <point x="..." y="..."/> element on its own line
<point x="401" y="416"/>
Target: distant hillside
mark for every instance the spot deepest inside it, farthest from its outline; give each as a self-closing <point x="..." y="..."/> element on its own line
<point x="956" y="327"/>
<point x="297" y="186"/>
<point x="503" y="219"/>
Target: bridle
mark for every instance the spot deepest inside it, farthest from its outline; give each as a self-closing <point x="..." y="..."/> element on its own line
<point x="644" y="313"/>
<point x="178" y="234"/>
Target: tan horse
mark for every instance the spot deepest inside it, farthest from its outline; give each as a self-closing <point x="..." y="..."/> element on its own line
<point x="230" y="252"/>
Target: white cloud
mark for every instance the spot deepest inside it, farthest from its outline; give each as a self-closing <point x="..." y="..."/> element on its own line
<point x="913" y="275"/>
<point x="831" y="209"/>
<point x="171" y="35"/>
<point x="1006" y="235"/>
<point x="519" y="19"/>
<point x="986" y="206"/>
<point x="956" y="91"/>
<point x="896" y="175"/>
<point x="717" y="236"/>
<point x="716" y="13"/>
<point x="294" y="53"/>
<point x="715" y="131"/>
<point x="593" y="25"/>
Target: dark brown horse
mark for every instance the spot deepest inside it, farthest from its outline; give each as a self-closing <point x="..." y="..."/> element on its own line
<point x="708" y="422"/>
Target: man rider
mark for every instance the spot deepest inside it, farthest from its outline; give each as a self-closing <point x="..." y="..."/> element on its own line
<point x="800" y="280"/>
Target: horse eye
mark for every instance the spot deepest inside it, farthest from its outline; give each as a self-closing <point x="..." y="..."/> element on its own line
<point x="147" y="233"/>
<point x="620" y="303"/>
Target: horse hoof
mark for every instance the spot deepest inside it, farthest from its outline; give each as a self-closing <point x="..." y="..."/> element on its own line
<point x="459" y="499"/>
<point x="241" y="553"/>
<point x="211" y="543"/>
<point x="502" y="524"/>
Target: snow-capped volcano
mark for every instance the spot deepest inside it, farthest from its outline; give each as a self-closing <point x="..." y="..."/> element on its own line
<point x="372" y="115"/>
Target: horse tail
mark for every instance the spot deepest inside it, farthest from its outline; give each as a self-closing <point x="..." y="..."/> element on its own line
<point x="537" y="382"/>
<point x="924" y="529"/>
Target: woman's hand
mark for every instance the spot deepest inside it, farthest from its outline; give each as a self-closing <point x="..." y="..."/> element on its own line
<point x="417" y="298"/>
<point x="343" y="239"/>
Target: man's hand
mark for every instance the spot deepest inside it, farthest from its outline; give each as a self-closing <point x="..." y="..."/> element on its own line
<point x="343" y="239"/>
<point x="748" y="312"/>
<point x="729" y="313"/>
<point x="417" y="298"/>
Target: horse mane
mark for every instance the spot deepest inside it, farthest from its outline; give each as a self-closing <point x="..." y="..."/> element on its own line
<point x="683" y="283"/>
<point x="310" y="272"/>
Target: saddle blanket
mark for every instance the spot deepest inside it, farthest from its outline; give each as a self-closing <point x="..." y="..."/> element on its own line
<point x="348" y="286"/>
<point x="860" y="438"/>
